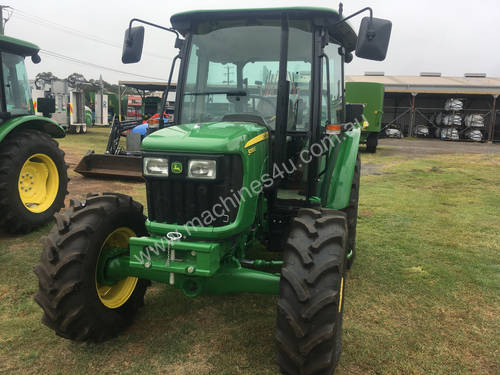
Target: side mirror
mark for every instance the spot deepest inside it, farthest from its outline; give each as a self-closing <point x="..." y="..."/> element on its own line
<point x="373" y="38"/>
<point x="353" y="113"/>
<point x="36" y="58"/>
<point x="46" y="106"/>
<point x="132" y="45"/>
<point x="348" y="57"/>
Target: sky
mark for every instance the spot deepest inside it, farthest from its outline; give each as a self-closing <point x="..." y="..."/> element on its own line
<point x="451" y="37"/>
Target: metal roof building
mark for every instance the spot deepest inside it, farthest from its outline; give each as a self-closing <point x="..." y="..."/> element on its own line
<point x="428" y="83"/>
<point x="414" y="100"/>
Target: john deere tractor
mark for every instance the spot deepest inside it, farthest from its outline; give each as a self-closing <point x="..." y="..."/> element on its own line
<point x="33" y="176"/>
<point x="262" y="151"/>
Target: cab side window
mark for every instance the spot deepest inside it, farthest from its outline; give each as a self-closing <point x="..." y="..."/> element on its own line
<point x="331" y="95"/>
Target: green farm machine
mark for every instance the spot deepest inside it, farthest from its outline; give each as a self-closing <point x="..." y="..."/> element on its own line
<point x="32" y="168"/>
<point x="262" y="150"/>
<point x="371" y="96"/>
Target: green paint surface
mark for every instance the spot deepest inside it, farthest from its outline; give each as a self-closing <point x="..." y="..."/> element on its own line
<point x="17" y="46"/>
<point x="215" y="138"/>
<point x="32" y="122"/>
<point x="204" y="21"/>
<point x="336" y="191"/>
<point x="371" y="95"/>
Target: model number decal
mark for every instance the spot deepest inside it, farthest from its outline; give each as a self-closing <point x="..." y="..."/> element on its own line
<point x="257" y="139"/>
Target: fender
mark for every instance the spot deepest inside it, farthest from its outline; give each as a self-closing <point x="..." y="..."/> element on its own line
<point x="337" y="193"/>
<point x="43" y="124"/>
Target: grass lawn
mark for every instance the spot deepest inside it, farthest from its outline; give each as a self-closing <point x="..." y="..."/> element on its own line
<point x="95" y="139"/>
<point x="423" y="296"/>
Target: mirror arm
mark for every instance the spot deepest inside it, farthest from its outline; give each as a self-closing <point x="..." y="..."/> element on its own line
<point x="151" y="24"/>
<point x="353" y="15"/>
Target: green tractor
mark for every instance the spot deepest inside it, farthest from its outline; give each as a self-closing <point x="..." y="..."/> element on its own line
<point x="371" y="96"/>
<point x="32" y="168"/>
<point x="264" y="151"/>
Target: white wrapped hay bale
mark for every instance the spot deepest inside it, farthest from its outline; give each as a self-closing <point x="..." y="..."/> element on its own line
<point x="453" y="105"/>
<point x="452" y="120"/>
<point x="393" y="133"/>
<point x="449" y="134"/>
<point x="437" y="132"/>
<point x="439" y="119"/>
<point x="474" y="135"/>
<point x="474" y="121"/>
<point x="422" y="131"/>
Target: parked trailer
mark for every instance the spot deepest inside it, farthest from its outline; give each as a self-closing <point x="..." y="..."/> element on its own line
<point x="371" y="95"/>
<point x="70" y="110"/>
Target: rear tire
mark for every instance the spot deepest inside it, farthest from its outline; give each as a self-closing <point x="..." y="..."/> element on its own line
<point x="352" y="213"/>
<point x="17" y="150"/>
<point x="371" y="143"/>
<point x="68" y="290"/>
<point x="310" y="309"/>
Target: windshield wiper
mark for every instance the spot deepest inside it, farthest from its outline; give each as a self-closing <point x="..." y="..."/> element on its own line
<point x="227" y="92"/>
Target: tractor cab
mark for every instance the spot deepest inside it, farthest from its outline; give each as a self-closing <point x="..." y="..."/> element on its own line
<point x="267" y="87"/>
<point x="232" y="74"/>
<point x="15" y="87"/>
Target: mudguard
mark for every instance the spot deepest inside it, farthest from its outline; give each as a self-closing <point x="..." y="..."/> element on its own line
<point x="32" y="122"/>
<point x="337" y="191"/>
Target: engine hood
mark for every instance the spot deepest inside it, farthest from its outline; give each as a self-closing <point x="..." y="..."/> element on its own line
<point x="205" y="138"/>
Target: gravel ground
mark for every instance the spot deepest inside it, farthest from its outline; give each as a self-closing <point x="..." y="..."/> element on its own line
<point x="419" y="148"/>
<point x="436" y="146"/>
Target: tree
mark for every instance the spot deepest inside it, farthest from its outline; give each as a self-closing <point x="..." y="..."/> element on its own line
<point x="75" y="79"/>
<point x="42" y="78"/>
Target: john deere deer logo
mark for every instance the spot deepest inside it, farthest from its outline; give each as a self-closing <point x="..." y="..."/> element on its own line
<point x="176" y="167"/>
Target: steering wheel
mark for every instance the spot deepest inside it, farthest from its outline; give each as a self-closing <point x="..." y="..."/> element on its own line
<point x="266" y="107"/>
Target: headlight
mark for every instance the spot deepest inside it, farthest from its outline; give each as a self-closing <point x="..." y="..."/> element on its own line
<point x="155" y="167"/>
<point x="202" y="169"/>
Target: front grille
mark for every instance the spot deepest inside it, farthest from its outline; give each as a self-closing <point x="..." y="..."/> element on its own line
<point x="180" y="200"/>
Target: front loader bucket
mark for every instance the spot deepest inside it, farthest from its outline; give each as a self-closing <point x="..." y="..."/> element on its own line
<point x="106" y="165"/>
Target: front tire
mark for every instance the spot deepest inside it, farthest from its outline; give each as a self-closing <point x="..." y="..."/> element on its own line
<point x="75" y="305"/>
<point x="310" y="308"/>
<point x="33" y="180"/>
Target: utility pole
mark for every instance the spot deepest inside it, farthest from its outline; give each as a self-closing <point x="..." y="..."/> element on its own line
<point x="2" y="25"/>
<point x="228" y="74"/>
<point x="102" y="99"/>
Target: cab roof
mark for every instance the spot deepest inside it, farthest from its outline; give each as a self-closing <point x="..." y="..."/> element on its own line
<point x="185" y="22"/>
<point x="17" y="46"/>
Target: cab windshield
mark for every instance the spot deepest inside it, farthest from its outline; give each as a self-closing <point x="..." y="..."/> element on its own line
<point x="235" y="71"/>
<point x="17" y="88"/>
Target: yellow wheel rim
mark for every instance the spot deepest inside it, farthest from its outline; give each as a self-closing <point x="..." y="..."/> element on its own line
<point x="38" y="183"/>
<point x="341" y="293"/>
<point x="114" y="296"/>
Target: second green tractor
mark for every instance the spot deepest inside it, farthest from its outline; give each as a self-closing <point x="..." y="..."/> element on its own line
<point x="263" y="150"/>
<point x="33" y="174"/>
